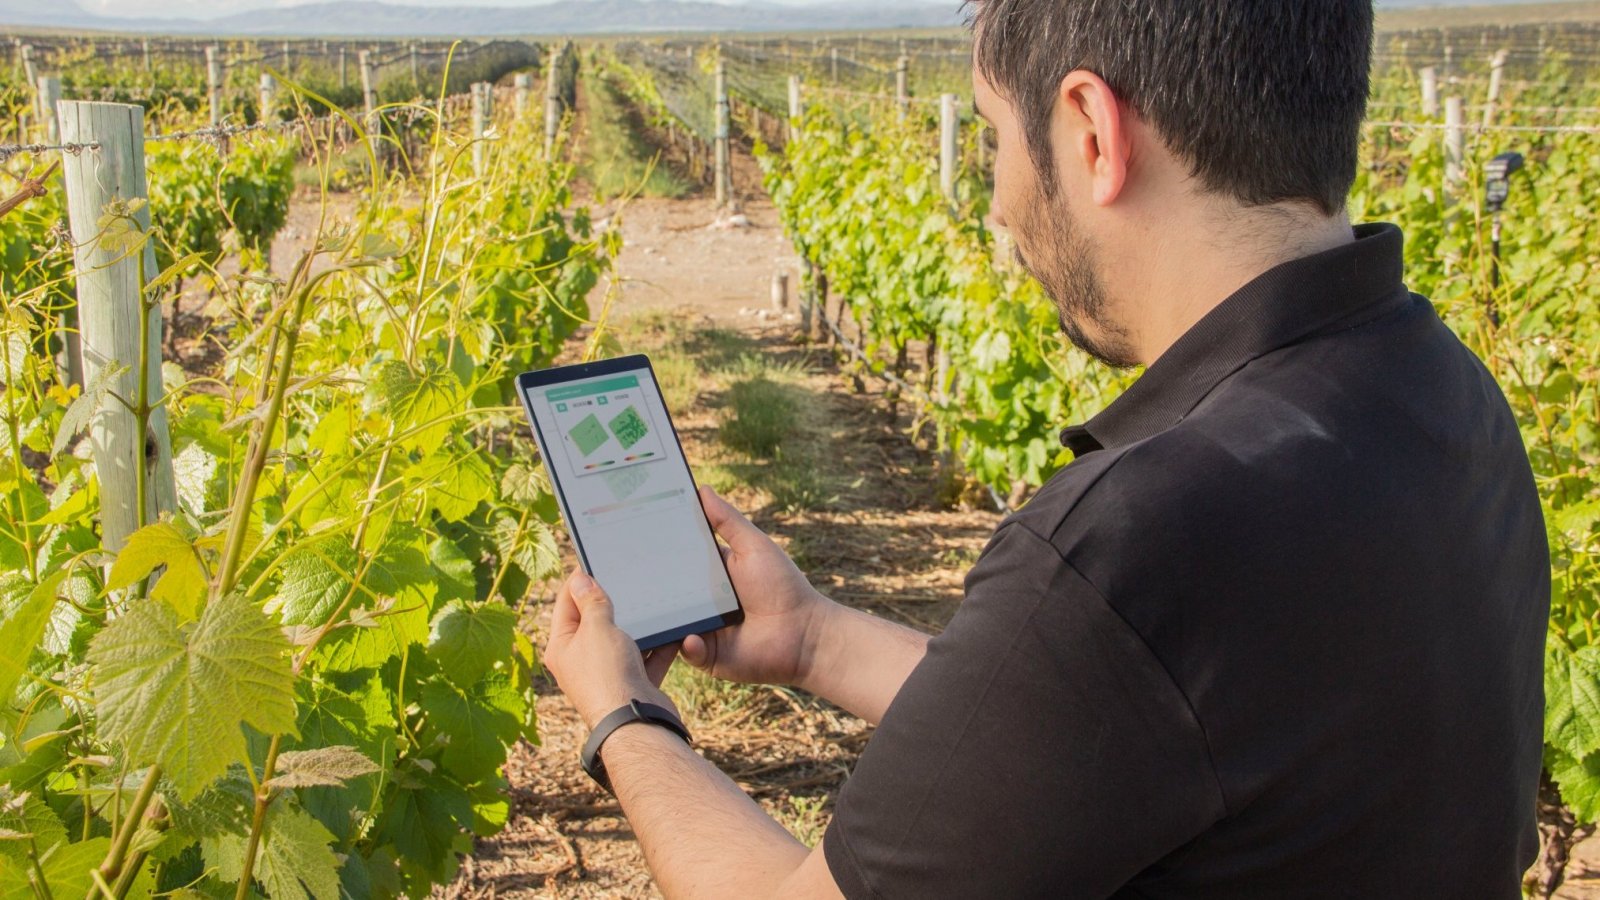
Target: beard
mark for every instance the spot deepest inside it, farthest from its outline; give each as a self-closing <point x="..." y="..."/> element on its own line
<point x="1064" y="261"/>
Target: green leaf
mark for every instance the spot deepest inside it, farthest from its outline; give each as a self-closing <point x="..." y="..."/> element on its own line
<point x="316" y="579"/>
<point x="1579" y="781"/>
<point x="294" y="862"/>
<point x="81" y="411"/>
<point x="185" y="582"/>
<point x="474" y="723"/>
<point x="27" y="608"/>
<point x="27" y="815"/>
<point x="1572" y="699"/>
<point x="532" y="549"/>
<point x="178" y="694"/>
<point x="419" y="399"/>
<point x="457" y="479"/>
<point x="67" y="870"/>
<point x="320" y="767"/>
<point x="422" y="818"/>
<point x="454" y="573"/>
<point x="467" y="639"/>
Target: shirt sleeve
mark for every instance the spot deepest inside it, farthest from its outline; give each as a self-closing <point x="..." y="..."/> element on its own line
<point x="1039" y="749"/>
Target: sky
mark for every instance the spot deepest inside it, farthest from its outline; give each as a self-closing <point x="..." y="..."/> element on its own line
<point x="205" y="9"/>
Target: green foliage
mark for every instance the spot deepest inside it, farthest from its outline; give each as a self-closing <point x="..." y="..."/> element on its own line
<point x="304" y="680"/>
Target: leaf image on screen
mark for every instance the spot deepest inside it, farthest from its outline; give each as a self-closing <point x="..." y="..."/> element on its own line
<point x="629" y="427"/>
<point x="588" y="435"/>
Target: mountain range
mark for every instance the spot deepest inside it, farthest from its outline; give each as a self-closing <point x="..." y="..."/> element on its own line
<point x="374" y="18"/>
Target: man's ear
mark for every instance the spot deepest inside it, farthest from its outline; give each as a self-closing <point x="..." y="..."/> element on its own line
<point x="1092" y="136"/>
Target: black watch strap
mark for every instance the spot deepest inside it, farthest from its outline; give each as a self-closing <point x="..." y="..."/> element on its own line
<point x="635" y="711"/>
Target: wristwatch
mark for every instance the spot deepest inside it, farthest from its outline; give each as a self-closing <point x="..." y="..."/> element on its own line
<point x="635" y="711"/>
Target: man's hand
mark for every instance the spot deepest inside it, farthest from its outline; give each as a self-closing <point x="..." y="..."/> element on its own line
<point x="596" y="664"/>
<point x="783" y="614"/>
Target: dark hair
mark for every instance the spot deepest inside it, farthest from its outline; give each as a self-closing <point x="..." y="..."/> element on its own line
<point x="1264" y="98"/>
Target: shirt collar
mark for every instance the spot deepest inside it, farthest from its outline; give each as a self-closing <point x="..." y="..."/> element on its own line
<point x="1361" y="279"/>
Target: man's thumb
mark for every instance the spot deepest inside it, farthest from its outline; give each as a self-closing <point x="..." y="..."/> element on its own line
<point x="591" y="599"/>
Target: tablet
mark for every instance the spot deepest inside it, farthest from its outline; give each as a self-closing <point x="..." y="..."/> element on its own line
<point x="628" y="498"/>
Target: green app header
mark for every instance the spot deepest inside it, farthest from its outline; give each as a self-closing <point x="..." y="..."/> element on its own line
<point x="569" y="392"/>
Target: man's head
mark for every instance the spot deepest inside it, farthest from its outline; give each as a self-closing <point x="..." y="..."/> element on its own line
<point x="1128" y="128"/>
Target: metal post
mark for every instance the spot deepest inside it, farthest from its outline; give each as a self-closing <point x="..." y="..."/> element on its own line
<point x="795" y="112"/>
<point x="214" y="83"/>
<point x="724" y="192"/>
<point x="113" y="311"/>
<point x="1430" y="93"/>
<point x="902" y="98"/>
<point x="1454" y="142"/>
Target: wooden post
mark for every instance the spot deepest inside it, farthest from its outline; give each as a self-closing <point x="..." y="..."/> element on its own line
<point x="949" y="129"/>
<point x="902" y="97"/>
<point x="833" y="54"/>
<point x="416" y="70"/>
<point x="28" y="71"/>
<point x="1454" y="142"/>
<point x="480" y="124"/>
<point x="49" y="97"/>
<point x="808" y="300"/>
<point x="147" y="55"/>
<point x="344" y="71"/>
<point x="267" y="98"/>
<point x="1497" y="69"/>
<point x="214" y="83"/>
<point x="780" y="291"/>
<point x="112" y="313"/>
<point x="288" y="58"/>
<point x="369" y="104"/>
<point x="795" y="112"/>
<point x="1430" y="93"/>
<point x="524" y="85"/>
<point x="724" y="194"/>
<point x="552" y="103"/>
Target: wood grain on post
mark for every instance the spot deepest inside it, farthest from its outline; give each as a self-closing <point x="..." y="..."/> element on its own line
<point x="949" y="130"/>
<point x="214" y="83"/>
<point x="1455" y="142"/>
<point x="110" y="302"/>
<point x="268" y="99"/>
<point x="1497" y="69"/>
<point x="524" y="88"/>
<point x="795" y="111"/>
<point x="723" y="183"/>
<point x="49" y="98"/>
<point x="1430" y="93"/>
<point x="552" y="102"/>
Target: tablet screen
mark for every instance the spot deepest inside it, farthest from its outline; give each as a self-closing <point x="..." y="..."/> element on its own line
<point x="629" y="499"/>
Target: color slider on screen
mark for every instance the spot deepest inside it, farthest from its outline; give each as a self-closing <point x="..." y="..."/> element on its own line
<point x="637" y="501"/>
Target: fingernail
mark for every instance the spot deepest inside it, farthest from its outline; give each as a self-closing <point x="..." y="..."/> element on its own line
<point x="583" y="587"/>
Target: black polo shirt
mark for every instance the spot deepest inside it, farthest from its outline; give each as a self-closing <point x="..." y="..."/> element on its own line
<point x="1277" y="632"/>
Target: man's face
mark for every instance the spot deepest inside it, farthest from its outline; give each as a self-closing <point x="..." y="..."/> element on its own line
<point x="1048" y="241"/>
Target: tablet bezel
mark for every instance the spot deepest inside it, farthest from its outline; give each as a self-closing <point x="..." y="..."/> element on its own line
<point x="543" y="378"/>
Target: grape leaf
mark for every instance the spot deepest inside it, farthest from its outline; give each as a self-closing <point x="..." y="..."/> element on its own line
<point x="66" y="870"/>
<point x="422" y="819"/>
<point x="419" y="400"/>
<point x="457" y="479"/>
<point x="183" y="584"/>
<point x="316" y="579"/>
<point x="320" y="767"/>
<point x="28" y="816"/>
<point x="453" y="572"/>
<point x="294" y="862"/>
<point x="467" y="639"/>
<point x="26" y="607"/>
<point x="1572" y="698"/>
<point x="178" y="694"/>
<point x="1579" y="781"/>
<point x="474" y="723"/>
<point x="533" y="549"/>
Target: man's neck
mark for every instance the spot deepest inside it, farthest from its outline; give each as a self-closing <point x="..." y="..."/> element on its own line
<point x="1183" y="280"/>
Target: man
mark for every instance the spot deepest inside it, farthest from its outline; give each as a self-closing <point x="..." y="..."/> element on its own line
<point x="1277" y="631"/>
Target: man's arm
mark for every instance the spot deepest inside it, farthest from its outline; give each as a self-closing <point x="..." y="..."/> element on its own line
<point x="792" y="634"/>
<point x="702" y="836"/>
